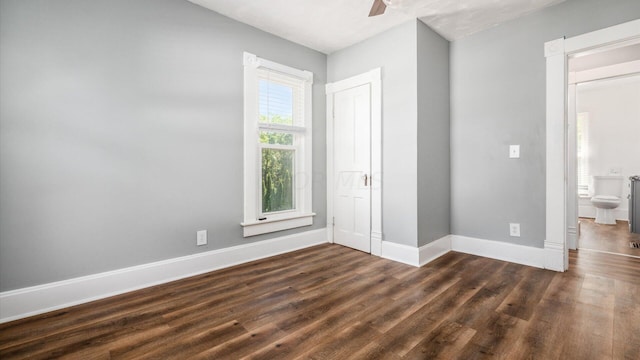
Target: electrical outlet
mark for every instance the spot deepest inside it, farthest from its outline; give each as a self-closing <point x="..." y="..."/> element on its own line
<point x="514" y="151"/>
<point x="201" y="237"/>
<point x="514" y="229"/>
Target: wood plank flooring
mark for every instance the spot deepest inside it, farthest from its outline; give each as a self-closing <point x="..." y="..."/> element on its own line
<point x="610" y="238"/>
<point x="330" y="302"/>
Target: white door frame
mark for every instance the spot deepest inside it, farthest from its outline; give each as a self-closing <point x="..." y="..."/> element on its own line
<point x="572" y="178"/>
<point x="556" y="52"/>
<point x="374" y="79"/>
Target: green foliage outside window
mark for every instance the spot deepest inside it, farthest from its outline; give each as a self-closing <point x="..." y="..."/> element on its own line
<point x="277" y="169"/>
<point x="277" y="180"/>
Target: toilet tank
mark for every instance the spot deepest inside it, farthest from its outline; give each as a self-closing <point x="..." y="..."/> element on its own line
<point x="607" y="185"/>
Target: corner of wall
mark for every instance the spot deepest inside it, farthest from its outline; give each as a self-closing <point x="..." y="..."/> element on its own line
<point x="433" y="132"/>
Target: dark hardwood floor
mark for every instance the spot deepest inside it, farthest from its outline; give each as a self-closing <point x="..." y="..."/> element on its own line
<point x="610" y="238"/>
<point x="330" y="302"/>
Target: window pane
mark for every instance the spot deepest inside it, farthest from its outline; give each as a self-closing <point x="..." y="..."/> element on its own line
<point x="276" y="103"/>
<point x="277" y="180"/>
<point x="278" y="138"/>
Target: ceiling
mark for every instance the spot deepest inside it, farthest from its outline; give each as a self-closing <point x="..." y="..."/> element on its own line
<point x="330" y="25"/>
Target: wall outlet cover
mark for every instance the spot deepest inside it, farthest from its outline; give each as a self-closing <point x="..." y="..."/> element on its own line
<point x="201" y="237"/>
<point x="514" y="229"/>
<point x="514" y="151"/>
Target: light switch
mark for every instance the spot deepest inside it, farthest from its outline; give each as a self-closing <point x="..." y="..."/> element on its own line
<point x="514" y="151"/>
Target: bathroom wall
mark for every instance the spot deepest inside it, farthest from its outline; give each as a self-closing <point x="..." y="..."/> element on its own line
<point x="614" y="132"/>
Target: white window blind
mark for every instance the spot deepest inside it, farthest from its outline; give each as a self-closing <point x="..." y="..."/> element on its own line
<point x="281" y="99"/>
<point x="582" y="142"/>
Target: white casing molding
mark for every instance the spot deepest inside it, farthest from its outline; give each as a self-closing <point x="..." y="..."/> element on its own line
<point x="302" y="215"/>
<point x="556" y="180"/>
<point x="605" y="72"/>
<point x="556" y="53"/>
<point x="554" y="256"/>
<point x="376" y="243"/>
<point x="20" y="303"/>
<point x="572" y="237"/>
<point x="572" y="168"/>
<point x="269" y="226"/>
<point x="603" y="37"/>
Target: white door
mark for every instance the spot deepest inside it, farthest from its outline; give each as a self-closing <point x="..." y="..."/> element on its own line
<point x="352" y="167"/>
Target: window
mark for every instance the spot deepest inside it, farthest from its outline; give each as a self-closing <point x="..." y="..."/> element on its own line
<point x="277" y="147"/>
<point x="582" y="143"/>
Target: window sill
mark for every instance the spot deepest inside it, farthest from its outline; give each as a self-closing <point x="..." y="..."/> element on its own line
<point x="267" y="226"/>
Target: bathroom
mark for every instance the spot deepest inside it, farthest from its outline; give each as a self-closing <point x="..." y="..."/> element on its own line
<point x="608" y="154"/>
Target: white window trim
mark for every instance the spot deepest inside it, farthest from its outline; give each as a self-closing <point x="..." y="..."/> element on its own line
<point x="302" y="215"/>
<point x="583" y="162"/>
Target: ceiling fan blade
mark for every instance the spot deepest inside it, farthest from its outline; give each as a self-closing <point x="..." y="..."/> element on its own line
<point x="378" y="8"/>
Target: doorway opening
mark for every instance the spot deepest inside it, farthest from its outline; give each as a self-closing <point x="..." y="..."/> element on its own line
<point x="604" y="123"/>
<point x="561" y="199"/>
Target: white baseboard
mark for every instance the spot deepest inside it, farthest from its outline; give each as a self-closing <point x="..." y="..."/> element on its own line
<point x="376" y="243"/>
<point x="554" y="256"/>
<point x="433" y="250"/>
<point x="20" y="303"/>
<point x="401" y="253"/>
<point x="519" y="254"/>
<point x="416" y="256"/>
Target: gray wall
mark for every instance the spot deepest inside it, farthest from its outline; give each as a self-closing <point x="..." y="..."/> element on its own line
<point x="497" y="99"/>
<point x="121" y="133"/>
<point x="434" y="183"/>
<point x="395" y="52"/>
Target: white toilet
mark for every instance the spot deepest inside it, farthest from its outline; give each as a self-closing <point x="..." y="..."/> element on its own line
<point x="607" y="191"/>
